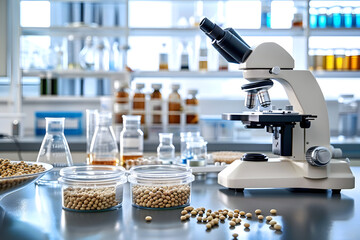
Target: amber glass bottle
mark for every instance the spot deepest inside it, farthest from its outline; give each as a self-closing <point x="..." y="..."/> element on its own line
<point x="139" y="102"/>
<point x="192" y="112"/>
<point x="156" y="103"/>
<point x="174" y="105"/>
<point x="121" y="105"/>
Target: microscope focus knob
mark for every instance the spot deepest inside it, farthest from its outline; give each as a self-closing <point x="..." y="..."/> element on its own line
<point x="275" y="70"/>
<point x="318" y="156"/>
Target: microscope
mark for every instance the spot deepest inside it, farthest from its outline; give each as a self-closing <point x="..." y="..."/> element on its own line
<point x="300" y="132"/>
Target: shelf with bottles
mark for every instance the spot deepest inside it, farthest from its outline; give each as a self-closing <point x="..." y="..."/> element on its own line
<point x="187" y="74"/>
<point x="57" y="99"/>
<point x="77" y="73"/>
<point x="337" y="74"/>
<point x="345" y="32"/>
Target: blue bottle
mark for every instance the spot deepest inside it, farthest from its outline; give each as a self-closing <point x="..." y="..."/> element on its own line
<point x="348" y="19"/>
<point x="313" y="12"/>
<point x="322" y="18"/>
<point x="336" y="17"/>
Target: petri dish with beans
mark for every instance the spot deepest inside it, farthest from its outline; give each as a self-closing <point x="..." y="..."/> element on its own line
<point x="160" y="186"/>
<point x="92" y="188"/>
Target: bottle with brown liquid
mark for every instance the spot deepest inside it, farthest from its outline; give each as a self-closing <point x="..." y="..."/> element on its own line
<point x="156" y="104"/>
<point x="131" y="140"/>
<point x="122" y="103"/>
<point x="174" y="105"/>
<point x="203" y="60"/>
<point x="192" y="107"/>
<point x="139" y="102"/>
<point x="103" y="148"/>
<point x="163" y="61"/>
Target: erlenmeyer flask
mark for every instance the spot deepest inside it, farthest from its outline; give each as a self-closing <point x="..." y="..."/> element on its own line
<point x="104" y="149"/>
<point x="54" y="150"/>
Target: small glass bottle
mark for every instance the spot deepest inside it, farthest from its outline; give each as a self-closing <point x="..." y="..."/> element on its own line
<point x="87" y="54"/>
<point x="103" y="148"/>
<point x="356" y="17"/>
<point x="223" y="63"/>
<point x="313" y="17"/>
<point x="339" y="59"/>
<point x="166" y="149"/>
<point x="203" y="58"/>
<point x="163" y="61"/>
<point x="102" y="55"/>
<point x="122" y="100"/>
<point x="348" y="117"/>
<point x="322" y="18"/>
<point x="156" y="104"/>
<point x="348" y="17"/>
<point x="192" y="111"/>
<point x="54" y="150"/>
<point x="139" y="102"/>
<point x="266" y="14"/>
<point x="354" y="60"/>
<point x="330" y="60"/>
<point x="174" y="105"/>
<point x="43" y="84"/>
<point x="131" y="139"/>
<point x="184" y="58"/>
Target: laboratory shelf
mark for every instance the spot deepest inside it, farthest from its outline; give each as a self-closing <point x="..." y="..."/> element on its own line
<point x="187" y="74"/>
<point x="76" y="74"/>
<point x="337" y="74"/>
<point x="82" y="31"/>
<point x="335" y="32"/>
<point x="56" y="99"/>
<point x="76" y="31"/>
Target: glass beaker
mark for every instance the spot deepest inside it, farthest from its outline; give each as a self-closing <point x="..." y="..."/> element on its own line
<point x="196" y="153"/>
<point x="166" y="149"/>
<point x="131" y="139"/>
<point x="186" y="137"/>
<point x="347" y="116"/>
<point x="54" y="150"/>
<point x="104" y="149"/>
<point x="91" y="118"/>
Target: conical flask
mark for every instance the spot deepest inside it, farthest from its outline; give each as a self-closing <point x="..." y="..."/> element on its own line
<point x="54" y="150"/>
<point x="104" y="149"/>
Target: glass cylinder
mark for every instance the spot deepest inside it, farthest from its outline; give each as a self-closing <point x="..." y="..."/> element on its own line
<point x="347" y="115"/>
<point x="104" y="149"/>
<point x="166" y="149"/>
<point x="91" y="118"/>
<point x="131" y="139"/>
<point x="54" y="150"/>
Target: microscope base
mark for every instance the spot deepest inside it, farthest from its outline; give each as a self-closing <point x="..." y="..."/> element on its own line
<point x="282" y="173"/>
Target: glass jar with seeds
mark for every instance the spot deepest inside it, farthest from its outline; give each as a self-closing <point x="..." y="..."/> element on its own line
<point x="160" y="186"/>
<point x="92" y="188"/>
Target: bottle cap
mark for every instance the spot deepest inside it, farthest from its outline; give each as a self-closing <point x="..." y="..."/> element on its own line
<point x="156" y="86"/>
<point x="193" y="91"/>
<point x="175" y="86"/>
<point x="140" y="85"/>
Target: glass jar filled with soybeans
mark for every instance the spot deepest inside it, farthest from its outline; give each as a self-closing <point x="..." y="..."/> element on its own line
<point x="92" y="188"/>
<point x="160" y="186"/>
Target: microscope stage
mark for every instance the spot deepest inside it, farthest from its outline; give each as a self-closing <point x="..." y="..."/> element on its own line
<point x="267" y="117"/>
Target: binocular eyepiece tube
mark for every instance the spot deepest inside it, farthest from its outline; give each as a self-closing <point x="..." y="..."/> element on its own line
<point x="226" y="41"/>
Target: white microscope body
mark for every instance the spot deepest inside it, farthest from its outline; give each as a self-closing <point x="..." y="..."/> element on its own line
<point x="309" y="145"/>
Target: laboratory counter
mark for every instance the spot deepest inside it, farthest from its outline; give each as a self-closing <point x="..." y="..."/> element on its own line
<point x="350" y="147"/>
<point x="35" y="213"/>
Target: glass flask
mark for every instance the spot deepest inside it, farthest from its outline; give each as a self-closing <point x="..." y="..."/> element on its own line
<point x="348" y="116"/>
<point x="131" y="139"/>
<point x="54" y="150"/>
<point x="103" y="148"/>
<point x="166" y="149"/>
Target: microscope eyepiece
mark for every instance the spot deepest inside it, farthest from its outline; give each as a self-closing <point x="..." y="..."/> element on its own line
<point x="227" y="42"/>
